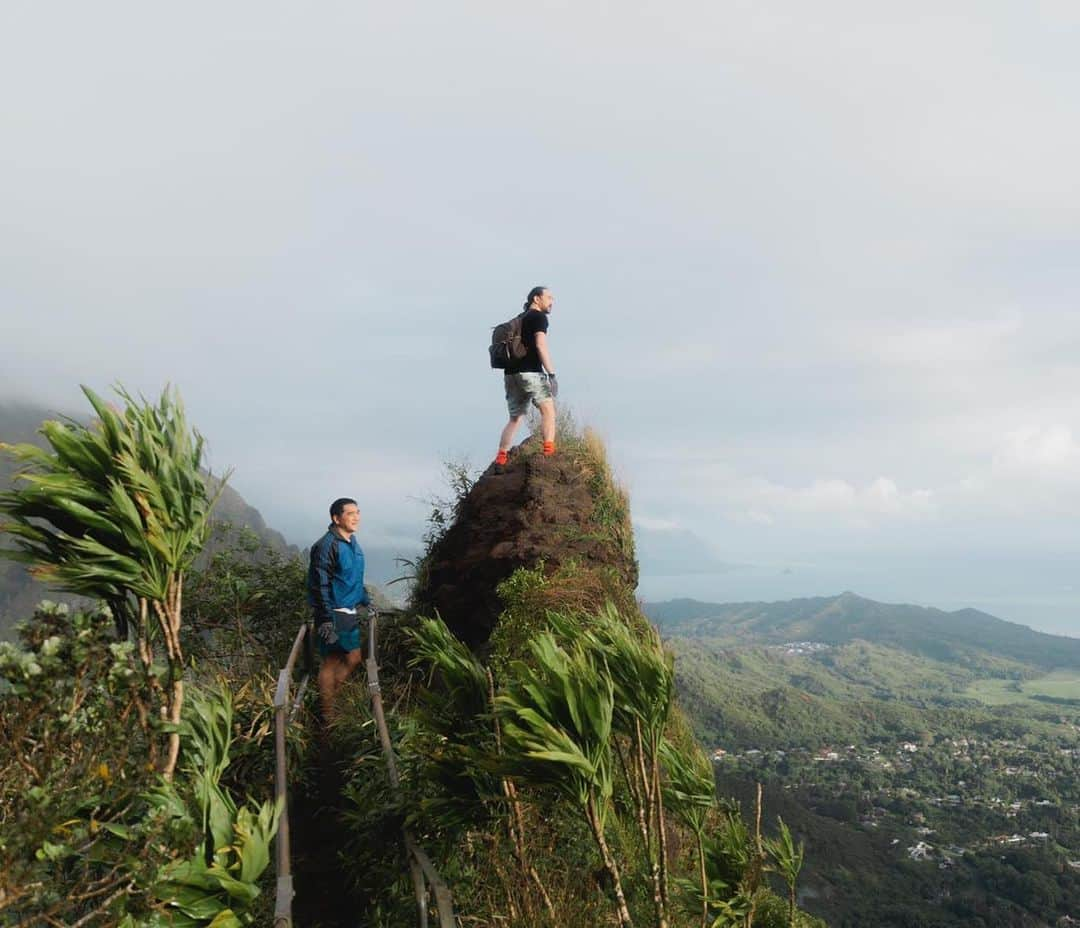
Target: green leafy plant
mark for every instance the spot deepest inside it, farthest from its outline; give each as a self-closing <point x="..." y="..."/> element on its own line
<point x="243" y="604"/>
<point x="118" y="511"/>
<point x="460" y="786"/>
<point x="736" y="860"/>
<point x="556" y="718"/>
<point x="218" y="884"/>
<point x="690" y="791"/>
<point x="787" y="861"/>
<point x="643" y="686"/>
<point x="70" y="772"/>
<point x="454" y="710"/>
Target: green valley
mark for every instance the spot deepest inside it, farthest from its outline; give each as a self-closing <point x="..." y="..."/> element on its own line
<point x="1057" y="685"/>
<point x="931" y="760"/>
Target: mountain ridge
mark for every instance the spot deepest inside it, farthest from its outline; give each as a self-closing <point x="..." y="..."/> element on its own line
<point x="964" y="635"/>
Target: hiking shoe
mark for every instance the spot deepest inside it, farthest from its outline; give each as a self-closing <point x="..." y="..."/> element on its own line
<point x="500" y="458"/>
<point x="549" y="448"/>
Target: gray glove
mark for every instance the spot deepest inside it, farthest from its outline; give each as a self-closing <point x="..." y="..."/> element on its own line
<point x="372" y="611"/>
<point x="327" y="633"/>
<point x="553" y="386"/>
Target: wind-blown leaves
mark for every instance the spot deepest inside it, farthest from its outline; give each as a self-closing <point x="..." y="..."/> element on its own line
<point x="556" y="719"/>
<point x="690" y="789"/>
<point x="455" y="709"/>
<point x="643" y="686"/>
<point x="463" y="692"/>
<point x="787" y="861"/>
<point x="122" y="502"/>
<point x="218" y="883"/>
<point x="118" y="511"/>
<point x="642" y="673"/>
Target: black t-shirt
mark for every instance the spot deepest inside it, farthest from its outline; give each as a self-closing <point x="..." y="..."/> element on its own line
<point x="534" y="321"/>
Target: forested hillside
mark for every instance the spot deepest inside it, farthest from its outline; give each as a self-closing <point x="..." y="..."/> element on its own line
<point x="933" y="766"/>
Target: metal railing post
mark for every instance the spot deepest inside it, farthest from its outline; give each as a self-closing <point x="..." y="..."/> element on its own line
<point x="421" y="869"/>
<point x="285" y="892"/>
<point x="420" y="865"/>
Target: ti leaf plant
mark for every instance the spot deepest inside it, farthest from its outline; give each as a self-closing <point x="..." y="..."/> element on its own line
<point x="118" y="511"/>
<point x="218" y="884"/>
<point x="690" y="791"/>
<point x="643" y="688"/>
<point x="556" y="719"/>
<point x="787" y="861"/>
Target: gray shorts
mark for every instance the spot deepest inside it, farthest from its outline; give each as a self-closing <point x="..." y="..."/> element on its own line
<point x="521" y="388"/>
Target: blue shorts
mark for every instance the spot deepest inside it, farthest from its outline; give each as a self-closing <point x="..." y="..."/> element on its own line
<point x="348" y="632"/>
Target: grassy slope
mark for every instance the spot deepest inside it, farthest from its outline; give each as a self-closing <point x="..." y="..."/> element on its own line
<point x="759" y="696"/>
<point x="1059" y="684"/>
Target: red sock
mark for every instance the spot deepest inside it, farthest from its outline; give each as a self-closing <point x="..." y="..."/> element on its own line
<point x="500" y="458"/>
<point x="549" y="448"/>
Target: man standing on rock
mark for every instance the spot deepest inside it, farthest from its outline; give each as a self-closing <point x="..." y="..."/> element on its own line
<point x="532" y="379"/>
<point x="336" y="591"/>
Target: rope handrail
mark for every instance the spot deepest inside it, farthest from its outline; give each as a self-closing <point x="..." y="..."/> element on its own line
<point x="285" y="892"/>
<point x="421" y="868"/>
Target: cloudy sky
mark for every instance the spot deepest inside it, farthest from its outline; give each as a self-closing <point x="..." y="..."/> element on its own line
<point x="815" y="265"/>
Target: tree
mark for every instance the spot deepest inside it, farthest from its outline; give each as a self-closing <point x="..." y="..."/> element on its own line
<point x="643" y="682"/>
<point x="118" y="511"/>
<point x="87" y="833"/>
<point x="556" y="732"/>
<point x="457" y="773"/>
<point x="691" y="791"/>
<point x="787" y="861"/>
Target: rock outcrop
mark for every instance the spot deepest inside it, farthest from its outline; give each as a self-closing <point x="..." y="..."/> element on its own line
<point x="532" y="510"/>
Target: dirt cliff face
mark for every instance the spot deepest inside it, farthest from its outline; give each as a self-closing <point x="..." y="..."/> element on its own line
<point x="532" y="509"/>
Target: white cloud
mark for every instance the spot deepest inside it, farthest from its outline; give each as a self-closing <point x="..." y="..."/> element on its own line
<point x="946" y="342"/>
<point x="879" y="499"/>
<point x="809" y="259"/>
<point x="1029" y="485"/>
<point x="657" y="525"/>
<point x="1040" y="453"/>
<point x="756" y="517"/>
<point x="704" y="484"/>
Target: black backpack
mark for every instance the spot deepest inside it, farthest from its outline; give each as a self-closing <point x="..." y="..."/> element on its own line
<point x="506" y="342"/>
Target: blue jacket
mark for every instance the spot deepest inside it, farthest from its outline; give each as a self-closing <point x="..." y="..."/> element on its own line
<point x="335" y="576"/>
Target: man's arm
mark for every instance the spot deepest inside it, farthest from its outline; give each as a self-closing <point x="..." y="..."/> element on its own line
<point x="365" y="599"/>
<point x="542" y="351"/>
<point x="322" y="570"/>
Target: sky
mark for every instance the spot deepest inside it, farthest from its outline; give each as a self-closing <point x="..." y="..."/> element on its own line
<point x="815" y="265"/>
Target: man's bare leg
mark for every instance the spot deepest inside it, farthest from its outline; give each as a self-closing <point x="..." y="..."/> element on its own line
<point x="547" y="419"/>
<point x="327" y="683"/>
<point x="351" y="662"/>
<point x="333" y="673"/>
<point x="506" y="439"/>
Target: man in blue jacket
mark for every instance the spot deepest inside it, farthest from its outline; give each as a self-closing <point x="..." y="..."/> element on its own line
<point x="336" y="592"/>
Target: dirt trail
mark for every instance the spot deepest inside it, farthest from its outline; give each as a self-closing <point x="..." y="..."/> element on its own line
<point x="323" y="898"/>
